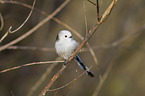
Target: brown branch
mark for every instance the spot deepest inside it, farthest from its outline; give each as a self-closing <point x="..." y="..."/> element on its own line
<point x="108" y="11"/>
<point x="29" y="64"/>
<point x="36" y="27"/>
<point x="52" y="81"/>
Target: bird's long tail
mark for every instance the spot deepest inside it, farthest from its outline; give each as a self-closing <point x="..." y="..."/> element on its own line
<point x="83" y="66"/>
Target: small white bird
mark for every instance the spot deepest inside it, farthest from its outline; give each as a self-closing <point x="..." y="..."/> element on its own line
<point x="65" y="46"/>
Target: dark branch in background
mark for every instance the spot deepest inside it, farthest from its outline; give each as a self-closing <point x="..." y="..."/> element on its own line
<point x="89" y="35"/>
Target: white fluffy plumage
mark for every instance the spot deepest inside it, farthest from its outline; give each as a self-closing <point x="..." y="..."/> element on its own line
<point x="65" y="46"/>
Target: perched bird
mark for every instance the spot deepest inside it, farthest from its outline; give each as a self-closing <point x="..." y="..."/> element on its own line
<point x="65" y="46"/>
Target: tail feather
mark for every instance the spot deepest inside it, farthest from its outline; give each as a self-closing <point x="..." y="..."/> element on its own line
<point x="90" y="73"/>
<point x="83" y="66"/>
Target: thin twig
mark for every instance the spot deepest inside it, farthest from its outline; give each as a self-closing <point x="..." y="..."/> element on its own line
<point x="16" y="2"/>
<point x="32" y="48"/>
<point x="78" y="76"/>
<point x="85" y="18"/>
<point x="4" y="36"/>
<point x="29" y="64"/>
<point x="36" y="27"/>
<point x="87" y="44"/>
<point x="92" y="53"/>
<point x="92" y="2"/>
<point x="97" y="6"/>
<point x="71" y="84"/>
<point x="9" y="30"/>
<point x="2" y="21"/>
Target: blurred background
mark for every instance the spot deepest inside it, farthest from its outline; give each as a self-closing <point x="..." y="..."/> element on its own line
<point x="127" y="59"/>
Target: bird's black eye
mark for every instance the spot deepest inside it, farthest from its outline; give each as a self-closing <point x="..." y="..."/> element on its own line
<point x="65" y="36"/>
